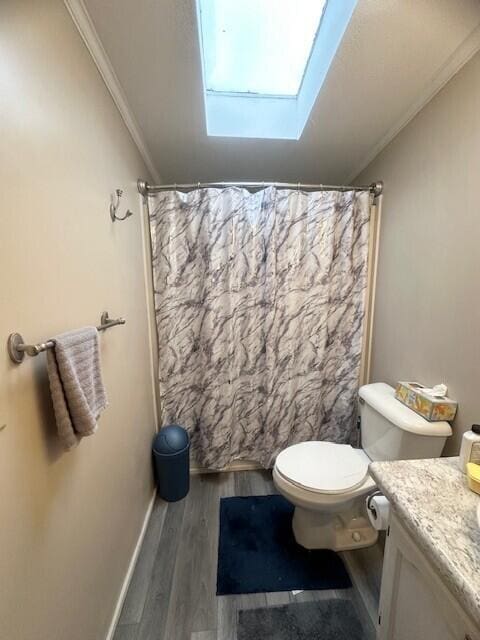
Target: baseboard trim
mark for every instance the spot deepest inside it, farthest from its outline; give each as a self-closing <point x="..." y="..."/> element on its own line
<point x="365" y="597"/>
<point x="130" y="570"/>
<point x="239" y="465"/>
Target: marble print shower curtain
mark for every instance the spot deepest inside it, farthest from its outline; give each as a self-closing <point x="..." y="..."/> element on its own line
<point x="259" y="302"/>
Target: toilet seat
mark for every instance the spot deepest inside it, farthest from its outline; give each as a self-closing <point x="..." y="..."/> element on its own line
<point x="323" y="467"/>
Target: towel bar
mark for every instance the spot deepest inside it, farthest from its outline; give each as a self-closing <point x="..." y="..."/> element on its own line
<point x="17" y="347"/>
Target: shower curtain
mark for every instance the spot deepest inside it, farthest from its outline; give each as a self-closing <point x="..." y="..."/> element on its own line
<point x="259" y="303"/>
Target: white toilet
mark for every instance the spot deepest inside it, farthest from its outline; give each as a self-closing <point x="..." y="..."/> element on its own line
<point x="328" y="483"/>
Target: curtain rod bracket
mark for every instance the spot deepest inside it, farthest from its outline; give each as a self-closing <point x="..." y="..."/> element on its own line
<point x="142" y="186"/>
<point x="376" y="188"/>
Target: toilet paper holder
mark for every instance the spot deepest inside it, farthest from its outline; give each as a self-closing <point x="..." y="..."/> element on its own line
<point x="370" y="506"/>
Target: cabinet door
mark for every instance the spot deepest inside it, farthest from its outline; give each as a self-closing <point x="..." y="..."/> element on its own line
<point x="414" y="602"/>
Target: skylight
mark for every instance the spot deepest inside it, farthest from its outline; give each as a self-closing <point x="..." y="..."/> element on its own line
<point x="264" y="62"/>
<point x="258" y="46"/>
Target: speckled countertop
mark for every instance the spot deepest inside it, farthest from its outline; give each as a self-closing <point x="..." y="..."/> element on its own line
<point x="435" y="504"/>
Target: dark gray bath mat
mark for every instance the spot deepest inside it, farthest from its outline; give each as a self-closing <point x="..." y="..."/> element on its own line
<point x="257" y="552"/>
<point x="334" y="619"/>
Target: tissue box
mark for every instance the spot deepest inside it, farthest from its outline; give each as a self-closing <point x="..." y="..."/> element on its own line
<point x="431" y="408"/>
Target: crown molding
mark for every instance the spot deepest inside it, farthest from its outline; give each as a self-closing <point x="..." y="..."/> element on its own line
<point x="86" y="28"/>
<point x="462" y="54"/>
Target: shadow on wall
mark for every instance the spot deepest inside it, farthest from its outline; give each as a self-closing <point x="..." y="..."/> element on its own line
<point x="53" y="447"/>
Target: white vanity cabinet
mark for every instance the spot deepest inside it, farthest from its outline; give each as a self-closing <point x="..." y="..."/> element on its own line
<point x="415" y="604"/>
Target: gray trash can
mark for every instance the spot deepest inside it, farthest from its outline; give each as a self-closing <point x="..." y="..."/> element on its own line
<point x="171" y="459"/>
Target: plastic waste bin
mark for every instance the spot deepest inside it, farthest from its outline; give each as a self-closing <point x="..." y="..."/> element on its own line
<point x="171" y="458"/>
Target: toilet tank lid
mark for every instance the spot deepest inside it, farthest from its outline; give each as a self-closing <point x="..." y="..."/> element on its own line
<point x="381" y="397"/>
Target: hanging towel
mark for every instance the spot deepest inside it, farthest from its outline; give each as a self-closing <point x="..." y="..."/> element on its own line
<point x="76" y="384"/>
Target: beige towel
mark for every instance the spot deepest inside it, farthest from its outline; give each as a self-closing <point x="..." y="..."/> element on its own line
<point x="76" y="384"/>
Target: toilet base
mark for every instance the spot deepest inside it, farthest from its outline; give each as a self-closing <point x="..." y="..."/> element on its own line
<point x="337" y="531"/>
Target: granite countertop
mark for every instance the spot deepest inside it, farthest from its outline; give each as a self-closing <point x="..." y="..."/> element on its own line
<point x="436" y="506"/>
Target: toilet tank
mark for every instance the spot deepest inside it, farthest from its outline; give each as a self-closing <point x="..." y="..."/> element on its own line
<point x="392" y="431"/>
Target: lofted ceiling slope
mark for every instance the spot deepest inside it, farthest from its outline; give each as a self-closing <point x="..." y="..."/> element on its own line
<point x="395" y="54"/>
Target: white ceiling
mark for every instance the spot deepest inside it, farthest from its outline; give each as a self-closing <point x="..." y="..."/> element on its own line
<point x="393" y="57"/>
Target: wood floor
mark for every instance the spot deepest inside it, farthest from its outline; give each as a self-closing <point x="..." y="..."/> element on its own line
<point x="172" y="592"/>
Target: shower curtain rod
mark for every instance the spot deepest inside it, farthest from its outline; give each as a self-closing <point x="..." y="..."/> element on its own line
<point x="376" y="188"/>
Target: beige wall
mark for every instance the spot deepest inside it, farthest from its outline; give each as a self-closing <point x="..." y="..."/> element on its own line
<point x="69" y="521"/>
<point x="427" y="315"/>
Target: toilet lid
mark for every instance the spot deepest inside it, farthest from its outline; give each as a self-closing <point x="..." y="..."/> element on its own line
<point x="323" y="466"/>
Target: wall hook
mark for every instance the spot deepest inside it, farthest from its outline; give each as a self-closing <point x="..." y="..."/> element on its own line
<point x="114" y="207"/>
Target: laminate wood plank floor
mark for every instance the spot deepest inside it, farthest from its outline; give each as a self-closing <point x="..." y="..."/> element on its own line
<point x="172" y="592"/>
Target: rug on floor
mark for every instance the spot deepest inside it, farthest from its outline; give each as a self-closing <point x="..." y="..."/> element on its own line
<point x="257" y="552"/>
<point x="334" y="619"/>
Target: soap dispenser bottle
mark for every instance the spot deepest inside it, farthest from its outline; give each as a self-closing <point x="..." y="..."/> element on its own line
<point x="470" y="449"/>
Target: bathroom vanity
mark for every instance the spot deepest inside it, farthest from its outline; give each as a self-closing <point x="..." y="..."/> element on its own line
<point x="431" y="573"/>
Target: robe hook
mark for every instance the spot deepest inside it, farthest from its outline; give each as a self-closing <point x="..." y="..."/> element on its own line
<point x="114" y="207"/>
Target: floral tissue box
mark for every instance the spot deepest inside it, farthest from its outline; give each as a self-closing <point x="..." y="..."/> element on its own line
<point x="429" y="407"/>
